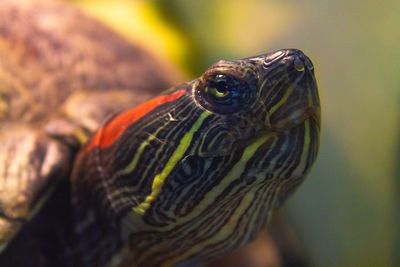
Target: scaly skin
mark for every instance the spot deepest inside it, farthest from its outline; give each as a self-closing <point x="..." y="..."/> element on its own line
<point x="195" y="173"/>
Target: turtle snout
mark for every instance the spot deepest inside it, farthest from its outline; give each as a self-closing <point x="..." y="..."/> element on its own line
<point x="300" y="62"/>
<point x="292" y="58"/>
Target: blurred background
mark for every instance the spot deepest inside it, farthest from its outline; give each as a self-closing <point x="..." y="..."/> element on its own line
<point x="347" y="212"/>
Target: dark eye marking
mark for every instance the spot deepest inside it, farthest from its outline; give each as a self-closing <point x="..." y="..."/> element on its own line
<point x="225" y="94"/>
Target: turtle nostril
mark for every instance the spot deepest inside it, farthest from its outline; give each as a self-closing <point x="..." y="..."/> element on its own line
<point x="298" y="64"/>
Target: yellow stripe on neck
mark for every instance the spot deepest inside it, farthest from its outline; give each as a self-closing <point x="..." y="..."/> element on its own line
<point x="283" y="100"/>
<point x="223" y="234"/>
<point x="233" y="174"/>
<point x="132" y="165"/>
<point x="159" y="179"/>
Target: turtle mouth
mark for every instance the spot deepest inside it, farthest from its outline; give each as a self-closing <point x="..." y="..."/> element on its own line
<point x="289" y="92"/>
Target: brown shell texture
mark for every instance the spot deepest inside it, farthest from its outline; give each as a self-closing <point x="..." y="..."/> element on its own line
<point x="59" y="70"/>
<point x="49" y="51"/>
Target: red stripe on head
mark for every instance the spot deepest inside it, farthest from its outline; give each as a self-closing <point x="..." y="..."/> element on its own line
<point x="109" y="133"/>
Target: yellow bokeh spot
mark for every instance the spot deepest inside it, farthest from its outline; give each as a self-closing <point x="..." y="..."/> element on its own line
<point x="142" y="23"/>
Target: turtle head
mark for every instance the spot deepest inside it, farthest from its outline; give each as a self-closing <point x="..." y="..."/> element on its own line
<point x="278" y="87"/>
<point x="196" y="172"/>
<point x="271" y="92"/>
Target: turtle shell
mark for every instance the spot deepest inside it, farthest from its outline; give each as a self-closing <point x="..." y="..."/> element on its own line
<point x="61" y="74"/>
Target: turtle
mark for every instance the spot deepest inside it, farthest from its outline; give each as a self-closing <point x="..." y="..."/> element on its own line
<point x="103" y="162"/>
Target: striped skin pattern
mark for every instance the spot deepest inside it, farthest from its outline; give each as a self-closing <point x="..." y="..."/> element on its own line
<point x="197" y="172"/>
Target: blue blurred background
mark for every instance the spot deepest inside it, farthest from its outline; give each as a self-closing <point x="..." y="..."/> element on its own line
<point x="347" y="212"/>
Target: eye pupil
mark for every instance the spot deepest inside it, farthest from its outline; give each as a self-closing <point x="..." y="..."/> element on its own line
<point x="218" y="92"/>
<point x="223" y="90"/>
<point x="219" y="89"/>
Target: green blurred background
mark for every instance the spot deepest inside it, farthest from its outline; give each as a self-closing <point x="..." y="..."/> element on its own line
<point x="347" y="211"/>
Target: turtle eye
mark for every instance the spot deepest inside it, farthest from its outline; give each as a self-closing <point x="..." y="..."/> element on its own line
<point x="223" y="94"/>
